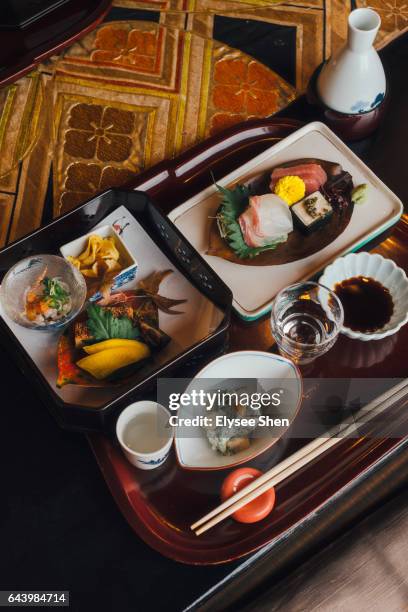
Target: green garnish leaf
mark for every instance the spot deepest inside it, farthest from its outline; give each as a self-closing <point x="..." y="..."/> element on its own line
<point x="54" y="293"/>
<point x="103" y="325"/>
<point x="234" y="202"/>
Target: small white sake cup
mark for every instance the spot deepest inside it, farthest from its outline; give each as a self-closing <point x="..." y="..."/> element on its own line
<point x="144" y="434"/>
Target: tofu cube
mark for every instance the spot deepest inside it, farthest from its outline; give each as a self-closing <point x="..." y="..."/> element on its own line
<point x="311" y="212"/>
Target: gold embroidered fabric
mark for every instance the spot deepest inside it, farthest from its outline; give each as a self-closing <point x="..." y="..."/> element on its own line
<point x="144" y="86"/>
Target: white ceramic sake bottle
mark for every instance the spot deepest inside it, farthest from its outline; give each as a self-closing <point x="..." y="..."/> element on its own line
<point x="353" y="81"/>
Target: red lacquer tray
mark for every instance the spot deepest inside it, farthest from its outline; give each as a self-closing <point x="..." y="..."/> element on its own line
<point x="161" y="504"/>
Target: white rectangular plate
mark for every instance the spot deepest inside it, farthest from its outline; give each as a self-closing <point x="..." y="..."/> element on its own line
<point x="254" y="287"/>
<point x="200" y="316"/>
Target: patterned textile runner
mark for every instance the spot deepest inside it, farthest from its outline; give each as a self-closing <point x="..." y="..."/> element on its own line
<point x="153" y="79"/>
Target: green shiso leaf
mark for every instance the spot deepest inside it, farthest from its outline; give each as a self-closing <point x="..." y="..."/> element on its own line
<point x="55" y="294"/>
<point x="234" y="202"/>
<point x="103" y="325"/>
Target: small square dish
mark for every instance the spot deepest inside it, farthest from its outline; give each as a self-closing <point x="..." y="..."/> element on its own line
<point x="126" y="261"/>
<point x="315" y="239"/>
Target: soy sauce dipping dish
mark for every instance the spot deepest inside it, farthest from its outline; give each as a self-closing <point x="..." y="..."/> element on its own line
<point x="384" y="271"/>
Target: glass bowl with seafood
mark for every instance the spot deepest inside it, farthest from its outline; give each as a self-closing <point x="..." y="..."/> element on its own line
<point x="42" y="292"/>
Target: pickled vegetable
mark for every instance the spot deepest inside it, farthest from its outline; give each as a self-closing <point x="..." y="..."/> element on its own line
<point x="104" y="363"/>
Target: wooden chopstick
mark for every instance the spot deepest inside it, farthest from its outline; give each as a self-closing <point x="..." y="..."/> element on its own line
<point x="277" y="469"/>
<point x="296" y="461"/>
<point x="271" y="482"/>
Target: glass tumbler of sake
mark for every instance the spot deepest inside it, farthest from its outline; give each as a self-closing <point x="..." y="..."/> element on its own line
<point x="306" y="319"/>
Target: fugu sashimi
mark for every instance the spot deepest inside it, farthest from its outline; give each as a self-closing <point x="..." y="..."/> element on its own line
<point x="266" y="220"/>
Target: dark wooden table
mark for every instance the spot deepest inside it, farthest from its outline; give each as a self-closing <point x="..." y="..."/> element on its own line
<point x="59" y="527"/>
<point x="366" y="568"/>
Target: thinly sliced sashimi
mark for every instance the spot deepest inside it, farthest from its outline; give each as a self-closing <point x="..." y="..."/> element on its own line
<point x="247" y="230"/>
<point x="312" y="174"/>
<point x="300" y="170"/>
<point x="266" y="220"/>
<point x="311" y="184"/>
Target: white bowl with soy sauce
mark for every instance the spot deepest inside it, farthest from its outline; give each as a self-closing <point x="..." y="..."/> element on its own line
<point x="373" y="291"/>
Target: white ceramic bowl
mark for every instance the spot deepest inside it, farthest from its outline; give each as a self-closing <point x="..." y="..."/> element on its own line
<point x="193" y="451"/>
<point x="386" y="272"/>
<point x="152" y="437"/>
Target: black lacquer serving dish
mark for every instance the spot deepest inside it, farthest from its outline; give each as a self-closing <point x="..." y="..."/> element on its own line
<point x="199" y="331"/>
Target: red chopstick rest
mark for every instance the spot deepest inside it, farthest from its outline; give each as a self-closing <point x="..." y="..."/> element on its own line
<point x="258" y="508"/>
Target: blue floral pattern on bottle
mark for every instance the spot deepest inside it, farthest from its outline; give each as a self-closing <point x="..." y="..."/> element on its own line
<point x="379" y="98"/>
<point x="362" y="106"/>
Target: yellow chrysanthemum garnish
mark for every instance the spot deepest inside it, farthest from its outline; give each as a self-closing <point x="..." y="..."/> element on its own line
<point x="291" y="189"/>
